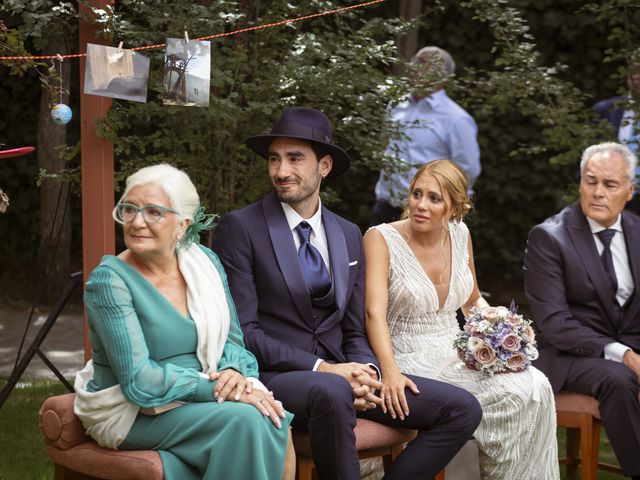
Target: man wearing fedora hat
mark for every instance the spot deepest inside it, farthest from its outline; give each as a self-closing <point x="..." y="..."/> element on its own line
<point x="296" y="273"/>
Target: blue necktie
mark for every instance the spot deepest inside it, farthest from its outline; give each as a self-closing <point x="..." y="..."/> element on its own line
<point x="315" y="272"/>
<point x="607" y="259"/>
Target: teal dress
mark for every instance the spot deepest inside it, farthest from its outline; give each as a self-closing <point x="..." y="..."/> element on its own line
<point x="141" y="342"/>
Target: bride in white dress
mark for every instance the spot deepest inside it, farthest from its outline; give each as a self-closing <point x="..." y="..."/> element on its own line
<point x="420" y="270"/>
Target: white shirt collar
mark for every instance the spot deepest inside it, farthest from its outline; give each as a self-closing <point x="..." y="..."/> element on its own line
<point x="432" y="100"/>
<point x="294" y="218"/>
<point x="596" y="227"/>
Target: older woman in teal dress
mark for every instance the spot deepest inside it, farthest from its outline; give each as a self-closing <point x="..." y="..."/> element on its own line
<point x="169" y="369"/>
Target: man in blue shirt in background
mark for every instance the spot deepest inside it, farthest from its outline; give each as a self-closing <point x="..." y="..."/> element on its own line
<point x="622" y="113"/>
<point x="433" y="127"/>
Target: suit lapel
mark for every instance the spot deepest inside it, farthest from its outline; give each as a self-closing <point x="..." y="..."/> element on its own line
<point x="631" y="229"/>
<point x="286" y="255"/>
<point x="338" y="256"/>
<point x="582" y="238"/>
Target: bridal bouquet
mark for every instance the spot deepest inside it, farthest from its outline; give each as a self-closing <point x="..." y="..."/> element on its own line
<point x="497" y="340"/>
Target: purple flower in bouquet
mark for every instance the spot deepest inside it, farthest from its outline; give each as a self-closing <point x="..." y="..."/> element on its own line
<point x="496" y="340"/>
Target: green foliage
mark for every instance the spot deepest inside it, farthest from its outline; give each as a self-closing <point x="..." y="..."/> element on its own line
<point x="533" y="111"/>
<point x="337" y="64"/>
<point x="527" y="70"/>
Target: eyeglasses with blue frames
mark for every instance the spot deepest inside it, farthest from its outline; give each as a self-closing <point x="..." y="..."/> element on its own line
<point x="126" y="213"/>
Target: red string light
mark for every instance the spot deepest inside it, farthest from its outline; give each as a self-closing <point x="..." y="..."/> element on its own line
<point x="209" y="37"/>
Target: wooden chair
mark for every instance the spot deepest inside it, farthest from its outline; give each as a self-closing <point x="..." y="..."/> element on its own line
<point x="77" y="457"/>
<point x="580" y="415"/>
<point x="372" y="440"/>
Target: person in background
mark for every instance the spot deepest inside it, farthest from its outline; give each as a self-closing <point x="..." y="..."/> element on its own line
<point x="581" y="277"/>
<point x="622" y="113"/>
<point x="296" y="272"/>
<point x="432" y="127"/>
<point x="169" y="370"/>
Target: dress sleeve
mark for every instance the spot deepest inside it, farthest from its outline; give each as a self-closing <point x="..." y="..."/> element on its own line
<point x="234" y="355"/>
<point x="112" y="315"/>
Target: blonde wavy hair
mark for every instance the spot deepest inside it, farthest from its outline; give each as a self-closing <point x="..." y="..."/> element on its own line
<point x="452" y="180"/>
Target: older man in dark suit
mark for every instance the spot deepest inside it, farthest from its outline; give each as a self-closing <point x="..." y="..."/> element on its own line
<point x="296" y="273"/>
<point x="582" y="273"/>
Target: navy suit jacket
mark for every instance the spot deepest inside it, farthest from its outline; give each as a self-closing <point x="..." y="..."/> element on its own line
<point x="612" y="109"/>
<point x="271" y="294"/>
<point x="573" y="305"/>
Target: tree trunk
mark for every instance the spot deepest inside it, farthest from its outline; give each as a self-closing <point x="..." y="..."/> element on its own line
<point x="408" y="43"/>
<point x="55" y="226"/>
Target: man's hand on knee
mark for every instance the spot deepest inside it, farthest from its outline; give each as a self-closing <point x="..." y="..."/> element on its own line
<point x="632" y="360"/>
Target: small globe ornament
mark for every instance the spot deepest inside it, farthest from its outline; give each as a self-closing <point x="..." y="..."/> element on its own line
<point x="61" y="114"/>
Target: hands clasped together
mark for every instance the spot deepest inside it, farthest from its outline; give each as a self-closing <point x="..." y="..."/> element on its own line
<point x="363" y="380"/>
<point x="233" y="386"/>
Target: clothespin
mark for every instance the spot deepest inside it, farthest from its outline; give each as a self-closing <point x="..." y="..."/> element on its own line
<point x="186" y="36"/>
<point x="120" y="47"/>
<point x="59" y="57"/>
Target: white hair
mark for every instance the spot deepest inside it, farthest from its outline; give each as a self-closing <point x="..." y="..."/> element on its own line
<point x="611" y="147"/>
<point x="175" y="183"/>
<point x="441" y="57"/>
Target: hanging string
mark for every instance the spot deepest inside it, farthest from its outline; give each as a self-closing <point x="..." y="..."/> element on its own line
<point x="60" y="59"/>
<point x="218" y="35"/>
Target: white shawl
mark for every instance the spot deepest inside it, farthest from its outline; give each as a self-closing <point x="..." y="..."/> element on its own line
<point x="107" y="415"/>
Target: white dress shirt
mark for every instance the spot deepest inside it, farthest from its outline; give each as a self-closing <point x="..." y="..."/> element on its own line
<point x="318" y="238"/>
<point x="616" y="350"/>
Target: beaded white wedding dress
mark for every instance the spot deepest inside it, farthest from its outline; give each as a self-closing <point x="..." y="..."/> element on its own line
<point x="517" y="435"/>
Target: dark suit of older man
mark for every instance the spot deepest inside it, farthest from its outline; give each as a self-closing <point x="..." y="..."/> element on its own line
<point x="582" y="314"/>
<point x="308" y="345"/>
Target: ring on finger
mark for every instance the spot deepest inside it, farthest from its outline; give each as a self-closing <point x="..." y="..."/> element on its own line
<point x="388" y="397"/>
<point x="262" y="400"/>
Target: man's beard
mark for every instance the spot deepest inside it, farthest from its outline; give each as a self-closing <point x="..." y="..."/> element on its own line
<point x="302" y="193"/>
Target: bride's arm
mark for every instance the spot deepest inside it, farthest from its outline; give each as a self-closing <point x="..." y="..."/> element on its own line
<point x="376" y="303"/>
<point x="376" y="298"/>
<point x="475" y="299"/>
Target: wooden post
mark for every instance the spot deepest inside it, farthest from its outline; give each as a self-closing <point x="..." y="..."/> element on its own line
<point x="98" y="231"/>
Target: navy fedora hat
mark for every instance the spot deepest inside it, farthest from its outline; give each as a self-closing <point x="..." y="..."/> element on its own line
<point x="309" y="125"/>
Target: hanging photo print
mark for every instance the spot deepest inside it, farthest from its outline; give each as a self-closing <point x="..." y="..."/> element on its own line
<point x="187" y="69"/>
<point x="116" y="73"/>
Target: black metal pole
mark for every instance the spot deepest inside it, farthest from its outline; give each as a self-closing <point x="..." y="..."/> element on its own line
<point x="34" y="348"/>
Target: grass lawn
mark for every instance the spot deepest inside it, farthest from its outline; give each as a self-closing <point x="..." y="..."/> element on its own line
<point x="22" y="449"/>
<point x="22" y="454"/>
